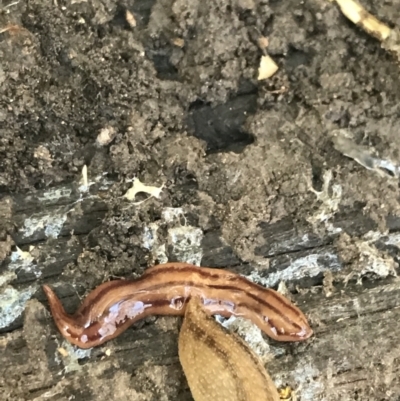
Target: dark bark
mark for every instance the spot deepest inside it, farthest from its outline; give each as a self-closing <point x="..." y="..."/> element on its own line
<point x="354" y="350"/>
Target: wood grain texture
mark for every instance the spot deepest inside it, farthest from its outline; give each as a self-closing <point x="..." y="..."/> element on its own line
<point x="355" y="351"/>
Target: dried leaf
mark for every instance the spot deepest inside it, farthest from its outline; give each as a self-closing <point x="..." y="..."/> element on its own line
<point x="267" y="68"/>
<point x="218" y="365"/>
<point x="179" y="42"/>
<point x="138" y="186"/>
<point x="356" y="13"/>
